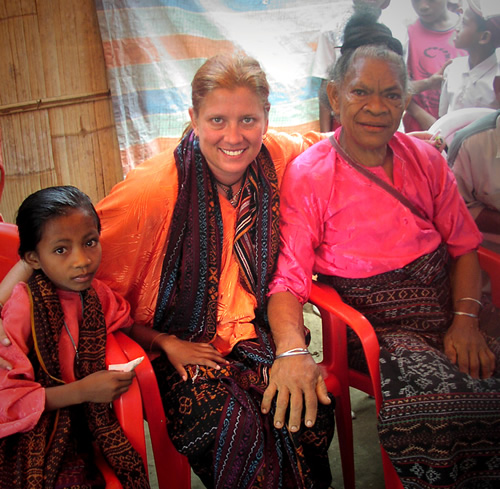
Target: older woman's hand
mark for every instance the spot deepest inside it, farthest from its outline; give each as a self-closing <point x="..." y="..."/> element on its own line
<point x="465" y="346"/>
<point x="296" y="380"/>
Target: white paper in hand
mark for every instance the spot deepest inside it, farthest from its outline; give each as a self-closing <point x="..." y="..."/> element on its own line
<point x="126" y="367"/>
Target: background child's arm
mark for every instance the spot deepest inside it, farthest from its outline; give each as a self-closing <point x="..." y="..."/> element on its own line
<point x="102" y="386"/>
<point x="434" y="82"/>
<point x="424" y="119"/>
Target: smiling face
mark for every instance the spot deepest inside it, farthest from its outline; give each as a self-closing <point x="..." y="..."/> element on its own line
<point x="370" y="102"/>
<point x="230" y="125"/>
<point x="69" y="251"/>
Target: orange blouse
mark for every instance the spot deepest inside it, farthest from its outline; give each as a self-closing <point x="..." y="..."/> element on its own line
<point x="135" y="220"/>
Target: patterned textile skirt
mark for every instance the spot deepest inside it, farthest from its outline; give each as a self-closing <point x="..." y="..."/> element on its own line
<point x="440" y="427"/>
<point x="214" y="419"/>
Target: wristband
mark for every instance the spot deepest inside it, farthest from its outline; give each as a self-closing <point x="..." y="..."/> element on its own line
<point x="154" y="339"/>
<point x="471" y="299"/>
<point x="293" y="352"/>
<point x="460" y="313"/>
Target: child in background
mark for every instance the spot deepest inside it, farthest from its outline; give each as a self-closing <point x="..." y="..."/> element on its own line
<point x="330" y="39"/>
<point x="430" y="48"/>
<point x="455" y="6"/>
<point x="468" y="80"/>
<point x="56" y="424"/>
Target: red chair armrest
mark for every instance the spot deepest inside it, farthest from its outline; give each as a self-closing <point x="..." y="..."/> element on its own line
<point x="128" y="407"/>
<point x="329" y="300"/>
<point x="9" y="243"/>
<point x="172" y="468"/>
<point x="490" y="263"/>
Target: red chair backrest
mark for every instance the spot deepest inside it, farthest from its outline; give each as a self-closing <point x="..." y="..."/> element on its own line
<point x="9" y="244"/>
<point x="2" y="173"/>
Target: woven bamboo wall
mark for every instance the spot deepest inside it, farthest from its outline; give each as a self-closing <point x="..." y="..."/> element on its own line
<point x="56" y="120"/>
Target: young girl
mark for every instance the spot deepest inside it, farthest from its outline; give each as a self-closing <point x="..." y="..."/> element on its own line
<point x="55" y="418"/>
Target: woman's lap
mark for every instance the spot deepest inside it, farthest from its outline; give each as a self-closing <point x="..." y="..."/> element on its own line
<point x="438" y="425"/>
<point x="219" y="410"/>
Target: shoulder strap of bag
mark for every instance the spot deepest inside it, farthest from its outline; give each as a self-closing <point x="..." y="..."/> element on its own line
<point x="374" y="178"/>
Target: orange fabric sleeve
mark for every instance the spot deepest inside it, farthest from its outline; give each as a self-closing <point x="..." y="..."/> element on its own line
<point x="135" y="219"/>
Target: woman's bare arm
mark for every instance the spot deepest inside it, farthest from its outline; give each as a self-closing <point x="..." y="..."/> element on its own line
<point x="464" y="344"/>
<point x="20" y="272"/>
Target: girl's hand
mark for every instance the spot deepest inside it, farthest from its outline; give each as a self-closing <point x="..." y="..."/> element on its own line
<point x="181" y="352"/>
<point x="105" y="385"/>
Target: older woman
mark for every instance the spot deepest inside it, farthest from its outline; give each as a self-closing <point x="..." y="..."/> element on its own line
<point x="376" y="214"/>
<point x="190" y="239"/>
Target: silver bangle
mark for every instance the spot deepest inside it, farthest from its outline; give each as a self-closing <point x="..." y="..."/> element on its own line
<point x="471" y="299"/>
<point x="460" y="313"/>
<point x="293" y="352"/>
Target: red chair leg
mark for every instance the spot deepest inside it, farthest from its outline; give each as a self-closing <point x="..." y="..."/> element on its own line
<point x="335" y="314"/>
<point x="128" y="407"/>
<point x="337" y="382"/>
<point x="344" y="432"/>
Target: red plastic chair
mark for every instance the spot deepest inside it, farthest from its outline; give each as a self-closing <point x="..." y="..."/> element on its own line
<point x="9" y="244"/>
<point x="490" y="263"/>
<point x="336" y="316"/>
<point x="128" y="407"/>
<point x="337" y="383"/>
<point x="2" y="174"/>
<point x="172" y="468"/>
<point x="129" y="411"/>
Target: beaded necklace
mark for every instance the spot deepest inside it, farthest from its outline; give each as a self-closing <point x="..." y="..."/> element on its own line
<point x="228" y="190"/>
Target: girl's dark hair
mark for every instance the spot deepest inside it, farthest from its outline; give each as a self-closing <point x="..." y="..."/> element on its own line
<point x="45" y="204"/>
<point x="364" y="36"/>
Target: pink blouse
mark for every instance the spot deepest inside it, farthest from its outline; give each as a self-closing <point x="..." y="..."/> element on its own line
<point x="22" y="398"/>
<point x="336" y="221"/>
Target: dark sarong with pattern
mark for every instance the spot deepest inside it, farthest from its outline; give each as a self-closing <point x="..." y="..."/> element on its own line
<point x="440" y="427"/>
<point x="214" y="417"/>
<point x="58" y="452"/>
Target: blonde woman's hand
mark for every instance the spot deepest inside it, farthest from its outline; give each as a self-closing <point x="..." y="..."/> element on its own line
<point x="181" y="353"/>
